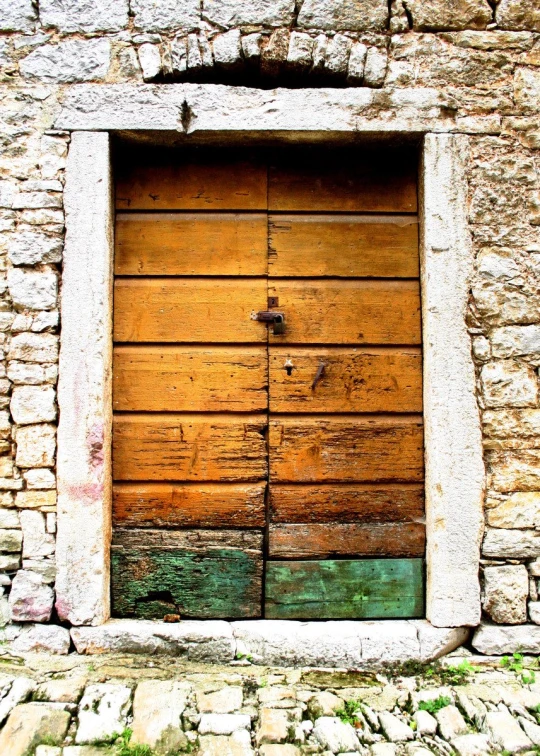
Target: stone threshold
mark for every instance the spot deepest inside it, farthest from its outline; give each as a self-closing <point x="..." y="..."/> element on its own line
<point x="285" y="643"/>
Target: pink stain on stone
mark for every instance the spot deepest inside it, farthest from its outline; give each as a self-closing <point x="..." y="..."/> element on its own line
<point x="95" y="443"/>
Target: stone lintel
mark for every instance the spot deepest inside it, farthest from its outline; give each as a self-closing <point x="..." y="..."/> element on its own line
<point x="287" y="643"/>
<point x="84" y="387"/>
<point x="207" y="109"/>
<point x="453" y="440"/>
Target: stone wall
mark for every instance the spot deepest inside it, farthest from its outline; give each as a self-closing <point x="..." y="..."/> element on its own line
<point x="483" y="57"/>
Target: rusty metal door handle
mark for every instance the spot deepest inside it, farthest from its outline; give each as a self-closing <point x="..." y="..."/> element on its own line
<point x="318" y="375"/>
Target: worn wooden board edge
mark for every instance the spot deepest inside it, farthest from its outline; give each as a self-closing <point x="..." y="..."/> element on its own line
<point x="345" y="589"/>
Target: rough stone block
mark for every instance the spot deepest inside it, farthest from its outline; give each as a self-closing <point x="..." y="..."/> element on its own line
<point x="504" y="732"/>
<point x="300" y="53"/>
<point x="157" y="715"/>
<point x="357" y="62"/>
<point x="273" y="726"/>
<point x="251" y="47"/>
<point x="515" y="341"/>
<point x="31" y="724"/>
<point x="10" y="540"/>
<point x="223" y="724"/>
<point x="442" y="15"/>
<point x="161" y="15"/>
<point x="34" y="247"/>
<point x="227" y="49"/>
<point x="354" y="15"/>
<point x="375" y="67"/>
<point x="237" y="744"/>
<point x="508" y="384"/>
<point x="33" y="404"/>
<point x="518" y="14"/>
<point x="451" y="723"/>
<point x="14" y="695"/>
<point x="150" y="61"/>
<point x="335" y="736"/>
<point x="49" y="639"/>
<point x="39" y="479"/>
<point x="520" y="510"/>
<point x="210" y="641"/>
<point x="474" y="744"/>
<point x="69" y="61"/>
<point x="499" y="639"/>
<point x="527" y="89"/>
<point x="179" y="54"/>
<point x="511" y="423"/>
<point x="337" y="55"/>
<point x="501" y="543"/>
<point x="9" y="519"/>
<point x="102" y="712"/>
<point x="36" y="541"/>
<point x="33" y="289"/>
<point x="534" y="612"/>
<point x="36" y="446"/>
<point x="67" y="690"/>
<point x="275" y="53"/>
<point x="30" y="600"/>
<point x="17" y="16"/>
<point x="515" y="470"/>
<point x="223" y="701"/>
<point x="394" y="729"/>
<point x="227" y="13"/>
<point x="84" y="15"/>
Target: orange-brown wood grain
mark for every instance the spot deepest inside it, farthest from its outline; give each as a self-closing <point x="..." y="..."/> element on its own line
<point x="343" y="245"/>
<point x="210" y="505"/>
<point x="348" y="311"/>
<point x="188" y="244"/>
<point x="323" y="541"/>
<point x="340" y="448"/>
<point x="211" y="448"/>
<point x="189" y="310"/>
<point x="190" y="379"/>
<point x="368" y="379"/>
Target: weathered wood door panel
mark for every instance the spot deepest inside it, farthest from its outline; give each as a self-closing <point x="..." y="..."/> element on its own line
<point x="232" y="444"/>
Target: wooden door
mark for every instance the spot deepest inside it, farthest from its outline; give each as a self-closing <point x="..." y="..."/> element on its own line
<point x="237" y="451"/>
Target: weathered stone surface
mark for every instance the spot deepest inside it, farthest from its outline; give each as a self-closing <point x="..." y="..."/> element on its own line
<point x="511" y="544"/>
<point x="239" y="13"/>
<point x="520" y="510"/>
<point x="504" y="731"/>
<point x="335" y="736"/>
<point x="511" y="423"/>
<point x="36" y="541"/>
<point x="84" y="15"/>
<point x="439" y="15"/>
<point x="210" y="641"/>
<point x="474" y="744"/>
<point x="67" y="690"/>
<point x="426" y="724"/>
<point x="527" y="89"/>
<point x="166" y="14"/>
<point x="223" y="724"/>
<point x="273" y="726"/>
<point x="238" y="744"/>
<point x="324" y="704"/>
<point x="357" y="62"/>
<point x="72" y="60"/>
<point x="534" y="612"/>
<point x="30" y="599"/>
<point x="497" y="639"/>
<point x="50" y="639"/>
<point x="157" y="715"/>
<point x="33" y="404"/>
<point x="509" y="384"/>
<point x="223" y="701"/>
<point x="227" y="49"/>
<point x="394" y="729"/>
<point x="515" y="341"/>
<point x="451" y="723"/>
<point x="300" y="54"/>
<point x="36" y="446"/>
<point x="150" y="61"/>
<point x="34" y="347"/>
<point x="19" y="16"/>
<point x="33" y="247"/>
<point x="17" y="694"/>
<point x="33" y="289"/>
<point x="506" y="589"/>
<point x="30" y="724"/>
<point x="9" y="518"/>
<point x="375" y="67"/>
<point x="355" y="15"/>
<point x="102" y="712"/>
<point x="531" y="729"/>
<point x="36" y="500"/>
<point x="10" y="540"/>
<point x="337" y="55"/>
<point x="518" y="14"/>
<point x="279" y="750"/>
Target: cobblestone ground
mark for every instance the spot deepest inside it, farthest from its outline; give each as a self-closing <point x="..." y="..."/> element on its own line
<point x="87" y="706"/>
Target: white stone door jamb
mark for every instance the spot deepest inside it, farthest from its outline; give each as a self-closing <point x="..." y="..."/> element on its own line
<point x="453" y="448"/>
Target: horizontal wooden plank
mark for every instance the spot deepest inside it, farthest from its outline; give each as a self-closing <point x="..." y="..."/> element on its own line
<point x="322" y="541"/>
<point x="361" y="448"/>
<point x="210" y="505"/>
<point x="343" y="245"/>
<point x="345" y="589"/>
<point x="210" y="448"/>
<point x="188" y="244"/>
<point x="172" y="181"/>
<point x="184" y="379"/>
<point x="346" y="502"/>
<point x="354" y="380"/>
<point x="189" y="310"/>
<point x="198" y="574"/>
<point x="348" y="312"/>
<point x="344" y="180"/>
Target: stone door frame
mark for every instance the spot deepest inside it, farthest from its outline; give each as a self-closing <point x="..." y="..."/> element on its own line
<point x="454" y="484"/>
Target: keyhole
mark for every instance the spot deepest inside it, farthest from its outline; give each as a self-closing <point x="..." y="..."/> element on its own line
<point x="289" y="369"/>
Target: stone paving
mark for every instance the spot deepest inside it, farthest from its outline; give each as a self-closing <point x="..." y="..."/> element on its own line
<point x="161" y="706"/>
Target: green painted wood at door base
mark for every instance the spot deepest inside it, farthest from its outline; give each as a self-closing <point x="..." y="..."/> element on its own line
<point x="222" y="583"/>
<point x="345" y="589"/>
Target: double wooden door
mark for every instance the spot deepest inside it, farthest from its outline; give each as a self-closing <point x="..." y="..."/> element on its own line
<point x="266" y="468"/>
